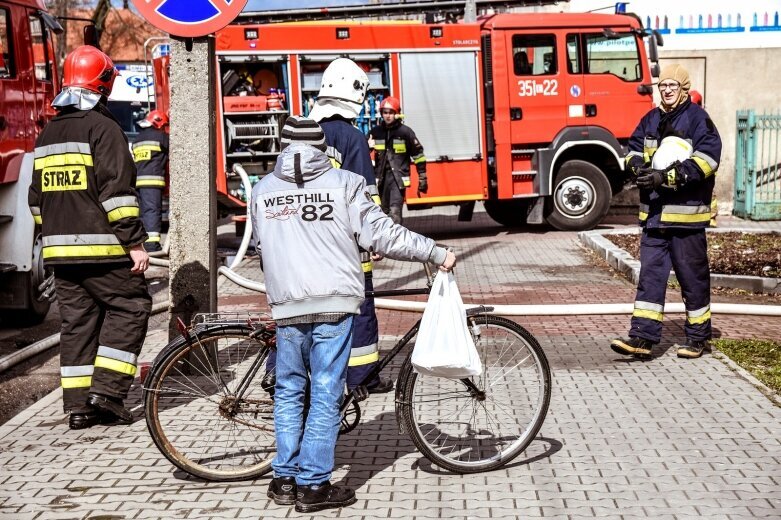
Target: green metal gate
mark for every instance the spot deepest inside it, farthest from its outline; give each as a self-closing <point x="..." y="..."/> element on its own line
<point x="757" y="168"/>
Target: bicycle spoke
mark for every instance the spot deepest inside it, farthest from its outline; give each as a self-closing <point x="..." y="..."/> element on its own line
<point x="199" y="423"/>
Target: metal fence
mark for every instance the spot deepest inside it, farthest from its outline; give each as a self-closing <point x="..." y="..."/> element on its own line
<point x="757" y="168"/>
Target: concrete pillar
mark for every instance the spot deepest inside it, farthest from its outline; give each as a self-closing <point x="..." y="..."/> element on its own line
<point x="193" y="203"/>
<point x="470" y="11"/>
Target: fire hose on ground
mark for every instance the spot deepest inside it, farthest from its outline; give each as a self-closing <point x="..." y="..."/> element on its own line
<point x="575" y="309"/>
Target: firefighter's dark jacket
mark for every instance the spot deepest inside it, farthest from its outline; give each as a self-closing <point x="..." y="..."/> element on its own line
<point x="396" y="147"/>
<point x="82" y="189"/>
<point x="687" y="204"/>
<point x="150" y="153"/>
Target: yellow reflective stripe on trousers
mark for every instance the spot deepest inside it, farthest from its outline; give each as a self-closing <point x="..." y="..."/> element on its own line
<point x="366" y="266"/>
<point x="116" y="360"/>
<point x="698" y="316"/>
<point x="114" y="365"/>
<point x="79" y="376"/>
<point x="76" y="382"/>
<point x="37" y="219"/>
<point x="120" y="213"/>
<point x="364" y="360"/>
<point x="651" y="311"/>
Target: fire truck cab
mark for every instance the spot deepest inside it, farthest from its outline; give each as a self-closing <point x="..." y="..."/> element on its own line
<point x="28" y="84"/>
<point x="530" y="112"/>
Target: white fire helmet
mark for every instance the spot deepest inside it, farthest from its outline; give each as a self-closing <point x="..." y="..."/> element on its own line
<point x="344" y="80"/>
<point x="671" y="150"/>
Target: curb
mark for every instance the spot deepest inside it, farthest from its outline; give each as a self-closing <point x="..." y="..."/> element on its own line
<point x="623" y="262"/>
<point x="22" y="417"/>
<point x="768" y="392"/>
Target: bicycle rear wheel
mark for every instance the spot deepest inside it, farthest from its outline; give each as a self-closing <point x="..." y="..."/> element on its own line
<point x="481" y="423"/>
<point x="194" y="414"/>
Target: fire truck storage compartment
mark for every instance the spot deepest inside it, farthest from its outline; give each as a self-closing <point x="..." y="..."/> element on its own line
<point x="254" y="106"/>
<point x="377" y="68"/>
<point x="441" y="103"/>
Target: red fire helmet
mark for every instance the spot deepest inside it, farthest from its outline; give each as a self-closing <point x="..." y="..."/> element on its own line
<point x="157" y="118"/>
<point x="87" y="67"/>
<point x="391" y="103"/>
<point x="696" y="97"/>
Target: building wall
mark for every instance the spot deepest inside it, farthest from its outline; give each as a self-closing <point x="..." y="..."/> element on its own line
<point x="731" y="80"/>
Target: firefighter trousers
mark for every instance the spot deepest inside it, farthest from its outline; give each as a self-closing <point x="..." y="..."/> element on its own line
<point x="686" y="251"/>
<point x="150" y="201"/>
<point x="392" y="198"/>
<point x="105" y="312"/>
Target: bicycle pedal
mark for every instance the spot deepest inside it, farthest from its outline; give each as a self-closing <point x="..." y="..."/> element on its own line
<point x="361" y="393"/>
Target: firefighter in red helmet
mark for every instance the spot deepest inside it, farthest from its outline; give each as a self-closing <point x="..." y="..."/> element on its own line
<point x="82" y="196"/>
<point x="396" y="146"/>
<point x="150" y="152"/>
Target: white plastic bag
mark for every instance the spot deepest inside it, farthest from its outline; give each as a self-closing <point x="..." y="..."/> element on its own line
<point x="444" y="346"/>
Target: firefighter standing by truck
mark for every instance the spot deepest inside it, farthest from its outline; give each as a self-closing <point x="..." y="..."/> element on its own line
<point x="82" y="195"/>
<point x="396" y="146"/>
<point x="683" y="147"/>
<point x="150" y="153"/>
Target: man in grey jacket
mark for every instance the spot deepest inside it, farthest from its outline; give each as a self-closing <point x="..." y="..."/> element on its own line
<point x="309" y="219"/>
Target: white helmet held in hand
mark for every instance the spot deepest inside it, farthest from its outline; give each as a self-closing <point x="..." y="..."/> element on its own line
<point x="671" y="150"/>
<point x="344" y="80"/>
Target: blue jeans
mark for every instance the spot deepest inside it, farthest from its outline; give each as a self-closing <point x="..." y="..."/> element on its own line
<point x="318" y="352"/>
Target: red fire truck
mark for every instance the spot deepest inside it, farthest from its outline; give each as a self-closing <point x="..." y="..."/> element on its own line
<point x="28" y="83"/>
<point x="529" y="113"/>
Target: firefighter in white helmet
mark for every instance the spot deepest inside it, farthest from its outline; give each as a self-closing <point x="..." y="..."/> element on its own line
<point x="343" y="90"/>
<point x="674" y="152"/>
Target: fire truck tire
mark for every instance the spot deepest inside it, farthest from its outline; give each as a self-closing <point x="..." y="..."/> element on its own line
<point x="580" y="198"/>
<point x="36" y="311"/>
<point x="509" y="213"/>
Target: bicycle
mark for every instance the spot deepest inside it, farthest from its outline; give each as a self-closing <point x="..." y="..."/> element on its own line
<point x="210" y="418"/>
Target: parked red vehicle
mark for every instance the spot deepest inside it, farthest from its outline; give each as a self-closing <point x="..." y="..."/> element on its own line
<point x="28" y="83"/>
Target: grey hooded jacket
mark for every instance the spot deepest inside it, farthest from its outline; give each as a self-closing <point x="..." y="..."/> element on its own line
<point x="308" y="220"/>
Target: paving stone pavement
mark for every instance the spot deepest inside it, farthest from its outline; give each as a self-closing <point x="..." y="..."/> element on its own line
<point x="662" y="439"/>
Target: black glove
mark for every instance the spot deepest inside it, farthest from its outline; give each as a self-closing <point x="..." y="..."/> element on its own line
<point x="649" y="179"/>
<point x="636" y="164"/>
<point x="422" y="186"/>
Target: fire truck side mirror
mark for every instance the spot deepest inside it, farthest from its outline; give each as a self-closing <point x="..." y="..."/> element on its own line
<point x="51" y="22"/>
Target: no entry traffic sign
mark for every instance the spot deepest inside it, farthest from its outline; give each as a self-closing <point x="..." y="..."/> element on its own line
<point x="189" y="18"/>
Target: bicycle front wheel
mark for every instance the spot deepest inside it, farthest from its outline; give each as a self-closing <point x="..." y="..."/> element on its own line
<point x="197" y="412"/>
<point x="481" y="423"/>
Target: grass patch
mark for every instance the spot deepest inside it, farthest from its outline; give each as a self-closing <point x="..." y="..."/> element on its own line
<point x="760" y="357"/>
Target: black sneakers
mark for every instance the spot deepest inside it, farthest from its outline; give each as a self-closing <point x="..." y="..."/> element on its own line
<point x="269" y="382"/>
<point x="692" y="349"/>
<point x="383" y="386"/>
<point x="323" y="496"/>
<point x="282" y="490"/>
<point x="633" y="346"/>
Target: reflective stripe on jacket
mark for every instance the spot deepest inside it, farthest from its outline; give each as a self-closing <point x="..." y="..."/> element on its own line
<point x="81" y="192"/>
<point x="688" y="203"/>
<point x="150" y="153"/>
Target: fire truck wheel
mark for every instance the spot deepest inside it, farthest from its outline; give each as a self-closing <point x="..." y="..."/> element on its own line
<point x="37" y="310"/>
<point x="580" y="199"/>
<point x="509" y="213"/>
